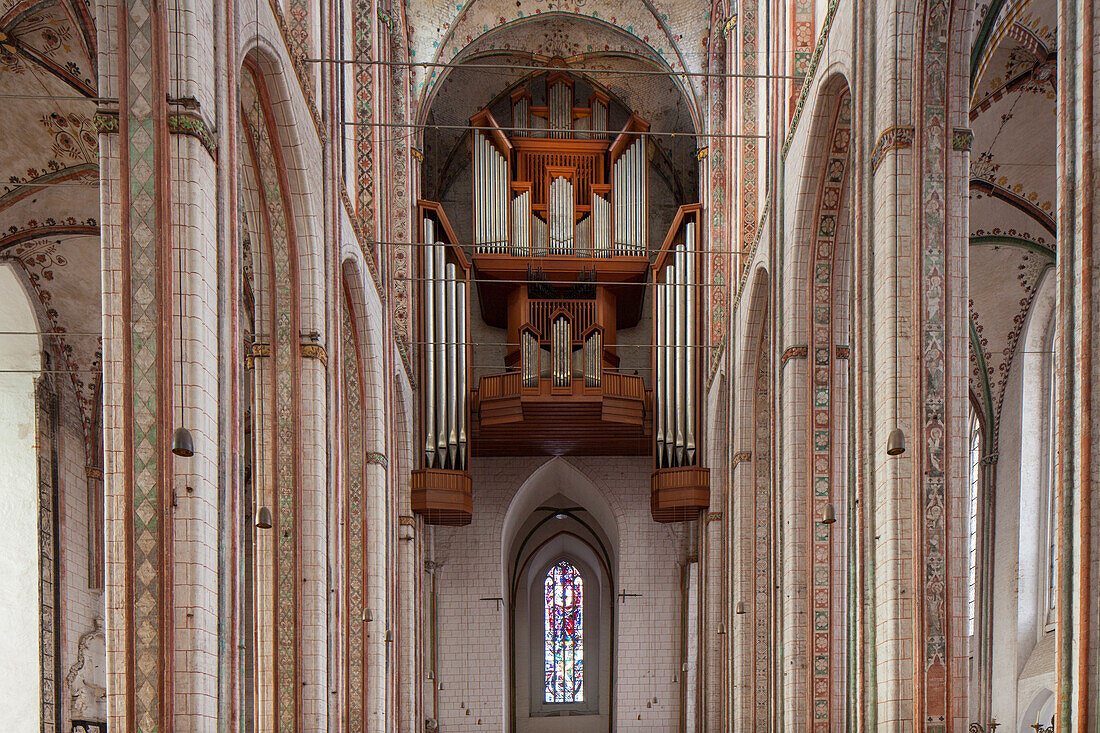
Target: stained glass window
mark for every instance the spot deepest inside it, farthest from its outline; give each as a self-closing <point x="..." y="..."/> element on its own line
<point x="564" y="624"/>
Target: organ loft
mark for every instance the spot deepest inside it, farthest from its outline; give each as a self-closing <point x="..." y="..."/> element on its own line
<point x="563" y="319"/>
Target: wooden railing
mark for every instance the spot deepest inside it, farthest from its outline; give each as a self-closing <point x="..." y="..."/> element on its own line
<point x="626" y="386"/>
<point x="497" y="386"/>
<point x="510" y="385"/>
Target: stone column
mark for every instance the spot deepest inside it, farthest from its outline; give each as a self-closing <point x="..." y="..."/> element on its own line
<point x="160" y="360"/>
<point x="1077" y="506"/>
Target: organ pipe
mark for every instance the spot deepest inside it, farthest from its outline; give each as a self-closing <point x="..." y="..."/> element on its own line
<point x="593" y="359"/>
<point x="460" y="344"/>
<point x="681" y="360"/>
<point x="561" y="216"/>
<point x="659" y="380"/>
<point x="521" y="225"/>
<point x="530" y="359"/>
<point x="689" y="346"/>
<point x="491" y="185"/>
<point x="439" y="345"/>
<point x="601" y="226"/>
<point x="561" y="349"/>
<point x="541" y="237"/>
<point x="452" y="367"/>
<point x="429" y="330"/>
<point x="446" y="364"/>
<point x="670" y="363"/>
<point x="561" y="109"/>
<point x="676" y="371"/>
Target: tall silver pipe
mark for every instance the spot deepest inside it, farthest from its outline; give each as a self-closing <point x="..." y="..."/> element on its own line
<point x="639" y="213"/>
<point x="479" y="194"/>
<point x="439" y="345"/>
<point x="634" y="198"/>
<point x="617" y="194"/>
<point x="502" y="202"/>
<point x="460" y="344"/>
<point x="429" y="348"/>
<point x="689" y="352"/>
<point x="520" y="112"/>
<point x="530" y="360"/>
<point x="630" y="197"/>
<point x="642" y="206"/>
<point x="659" y="377"/>
<point x="681" y="360"/>
<point x="670" y="361"/>
<point x="452" y="368"/>
<point x="540" y="232"/>
<point x="498" y="203"/>
<point x="475" y="142"/>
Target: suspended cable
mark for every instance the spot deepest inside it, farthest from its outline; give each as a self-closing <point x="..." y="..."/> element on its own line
<point x="543" y="130"/>
<point x="564" y="283"/>
<point x="473" y="66"/>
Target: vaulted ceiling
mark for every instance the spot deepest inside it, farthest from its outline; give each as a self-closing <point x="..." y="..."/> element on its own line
<point x="1012" y="181"/>
<point x="49" y="178"/>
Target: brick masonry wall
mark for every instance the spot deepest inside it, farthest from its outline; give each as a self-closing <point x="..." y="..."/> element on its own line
<point x="473" y="633"/>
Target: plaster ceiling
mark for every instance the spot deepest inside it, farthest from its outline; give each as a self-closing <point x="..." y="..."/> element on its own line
<point x="1012" y="183"/>
<point x="49" y="179"/>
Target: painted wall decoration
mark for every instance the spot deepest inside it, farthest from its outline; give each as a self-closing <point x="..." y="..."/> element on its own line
<point x="822" y="337"/>
<point x="281" y="254"/>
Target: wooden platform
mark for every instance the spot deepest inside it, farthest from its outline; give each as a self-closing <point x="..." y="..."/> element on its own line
<point x="679" y="494"/>
<point x="611" y="419"/>
<point x="442" y="497"/>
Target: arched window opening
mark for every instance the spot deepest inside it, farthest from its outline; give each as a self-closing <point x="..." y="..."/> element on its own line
<point x="1051" y="603"/>
<point x="972" y="519"/>
<point x="564" y="638"/>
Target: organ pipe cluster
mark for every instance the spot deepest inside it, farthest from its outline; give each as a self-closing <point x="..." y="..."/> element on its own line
<point x="629" y="192"/>
<point x="582" y="195"/>
<point x="561" y="351"/>
<point x="676" y="347"/>
<point x="490" y="196"/>
<point x="445" y="360"/>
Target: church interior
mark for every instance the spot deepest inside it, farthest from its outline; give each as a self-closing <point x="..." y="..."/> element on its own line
<point x="544" y="366"/>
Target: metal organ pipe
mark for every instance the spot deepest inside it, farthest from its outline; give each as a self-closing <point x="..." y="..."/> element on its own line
<point x="498" y="202"/>
<point x="439" y="341"/>
<point x="618" y="195"/>
<point x="561" y="347"/>
<point x="681" y="361"/>
<point x="689" y="351"/>
<point x="479" y="219"/>
<point x="452" y="368"/>
<point x="429" y="331"/>
<point x="659" y="376"/>
<point x="521" y="225"/>
<point x="530" y="360"/>
<point x="460" y="344"/>
<point x="670" y="360"/>
<point x="561" y="109"/>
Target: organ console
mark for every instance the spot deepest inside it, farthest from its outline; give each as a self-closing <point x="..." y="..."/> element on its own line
<point x="559" y="258"/>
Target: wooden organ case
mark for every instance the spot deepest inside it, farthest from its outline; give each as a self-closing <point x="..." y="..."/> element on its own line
<point x="561" y="261"/>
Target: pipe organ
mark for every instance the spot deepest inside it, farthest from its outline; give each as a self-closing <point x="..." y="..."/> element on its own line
<point x="680" y="484"/>
<point x="558" y="258"/>
<point x="441" y="487"/>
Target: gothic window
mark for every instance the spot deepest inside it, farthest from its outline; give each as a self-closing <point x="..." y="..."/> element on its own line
<point x="972" y="518"/>
<point x="1050" y="595"/>
<point x="563" y="595"/>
